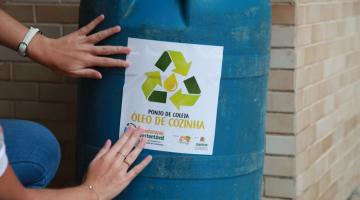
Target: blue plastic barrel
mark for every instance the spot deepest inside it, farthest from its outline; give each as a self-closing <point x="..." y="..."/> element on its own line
<point x="242" y="27"/>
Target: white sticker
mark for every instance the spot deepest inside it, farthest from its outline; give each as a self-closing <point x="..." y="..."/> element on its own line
<point x="172" y="90"/>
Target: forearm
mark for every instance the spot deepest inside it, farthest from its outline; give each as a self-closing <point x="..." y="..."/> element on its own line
<point x="79" y="192"/>
<point x="12" y="31"/>
<point x="11" y="188"/>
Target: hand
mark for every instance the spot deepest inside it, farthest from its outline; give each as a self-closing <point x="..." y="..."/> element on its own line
<point x="73" y="54"/>
<point x="109" y="172"/>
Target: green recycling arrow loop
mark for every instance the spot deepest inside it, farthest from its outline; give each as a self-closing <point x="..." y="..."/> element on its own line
<point x="182" y="67"/>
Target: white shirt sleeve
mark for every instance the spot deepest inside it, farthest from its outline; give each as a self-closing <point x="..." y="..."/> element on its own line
<point x="3" y="157"/>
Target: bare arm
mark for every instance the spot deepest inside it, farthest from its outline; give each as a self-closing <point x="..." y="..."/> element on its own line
<point x="72" y="55"/>
<point x="11" y="188"/>
<point x="108" y="173"/>
<point x="12" y="32"/>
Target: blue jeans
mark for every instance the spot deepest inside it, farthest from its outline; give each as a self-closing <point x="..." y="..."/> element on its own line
<point x="32" y="150"/>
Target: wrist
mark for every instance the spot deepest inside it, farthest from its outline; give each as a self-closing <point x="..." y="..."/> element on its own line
<point x="38" y="48"/>
<point x="90" y="190"/>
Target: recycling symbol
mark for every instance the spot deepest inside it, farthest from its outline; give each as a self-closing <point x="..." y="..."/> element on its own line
<point x="170" y="86"/>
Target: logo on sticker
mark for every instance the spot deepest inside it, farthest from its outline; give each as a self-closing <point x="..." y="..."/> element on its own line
<point x="170" y="85"/>
<point x="202" y="144"/>
<point x="184" y="139"/>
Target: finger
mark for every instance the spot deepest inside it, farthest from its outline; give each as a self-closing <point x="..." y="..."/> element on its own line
<point x="130" y="159"/>
<point x="89" y="27"/>
<point x="110" y="50"/>
<point x="87" y="73"/>
<point x="109" y="62"/>
<point x="103" y="150"/>
<point x="129" y="145"/>
<point x="99" y="36"/>
<point x="120" y="143"/>
<point x="137" y="169"/>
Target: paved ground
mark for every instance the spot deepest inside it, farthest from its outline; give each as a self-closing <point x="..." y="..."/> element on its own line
<point x="355" y="195"/>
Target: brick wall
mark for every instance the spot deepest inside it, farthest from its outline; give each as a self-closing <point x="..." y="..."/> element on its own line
<point x="279" y="170"/>
<point x="313" y="139"/>
<point x="30" y="91"/>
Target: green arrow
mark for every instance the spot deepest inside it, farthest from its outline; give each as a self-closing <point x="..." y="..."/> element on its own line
<point x="158" y="96"/>
<point x="164" y="61"/>
<point x="180" y="99"/>
<point x="192" y="85"/>
<point x="181" y="66"/>
<point x="153" y="79"/>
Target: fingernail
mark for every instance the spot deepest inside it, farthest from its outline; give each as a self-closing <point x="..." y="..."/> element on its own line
<point x="117" y="28"/>
<point x="107" y="143"/>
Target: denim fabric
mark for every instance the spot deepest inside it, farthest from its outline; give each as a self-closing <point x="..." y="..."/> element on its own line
<point x="32" y="150"/>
